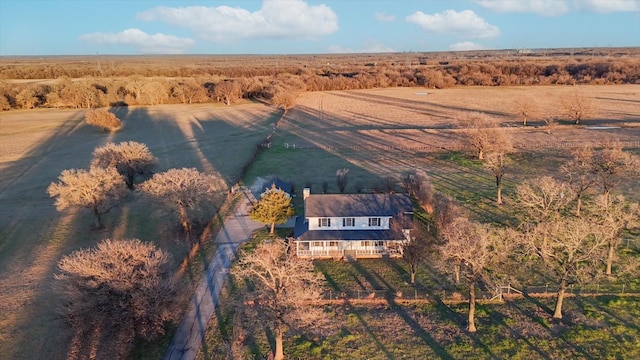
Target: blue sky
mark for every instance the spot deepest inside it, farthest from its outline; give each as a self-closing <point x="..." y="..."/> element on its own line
<point x="78" y="27"/>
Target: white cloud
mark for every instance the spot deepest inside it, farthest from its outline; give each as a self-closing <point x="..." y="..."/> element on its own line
<point x="464" y="23"/>
<point x="466" y="46"/>
<point x="609" y="6"/>
<point x="275" y="19"/>
<point x="559" y="7"/>
<point x="384" y="17"/>
<point x="370" y="46"/>
<point x="145" y="43"/>
<point x="540" y="7"/>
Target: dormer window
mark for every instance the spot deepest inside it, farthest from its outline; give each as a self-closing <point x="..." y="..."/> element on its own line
<point x="324" y="222"/>
<point x="374" y="221"/>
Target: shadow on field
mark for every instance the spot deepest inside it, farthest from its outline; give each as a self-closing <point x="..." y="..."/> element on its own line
<point x="34" y="236"/>
<point x="420" y="107"/>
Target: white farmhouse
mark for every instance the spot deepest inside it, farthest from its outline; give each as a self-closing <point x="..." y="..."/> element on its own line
<point x="350" y="225"/>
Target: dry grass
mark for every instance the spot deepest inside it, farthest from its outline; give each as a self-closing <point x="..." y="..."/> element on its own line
<point x="35" y="146"/>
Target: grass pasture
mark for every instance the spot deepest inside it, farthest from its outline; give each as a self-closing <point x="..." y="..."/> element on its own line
<point x="35" y="146"/>
<point x="375" y="133"/>
<point x="385" y="132"/>
<point x="592" y="328"/>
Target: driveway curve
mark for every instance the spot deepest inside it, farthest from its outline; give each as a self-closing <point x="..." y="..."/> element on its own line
<point x="237" y="229"/>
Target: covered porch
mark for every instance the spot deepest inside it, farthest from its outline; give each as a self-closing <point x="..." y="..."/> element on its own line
<point x="338" y="249"/>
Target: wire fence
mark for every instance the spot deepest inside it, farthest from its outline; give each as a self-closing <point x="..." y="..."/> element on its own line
<point x="498" y="293"/>
<point x="454" y="146"/>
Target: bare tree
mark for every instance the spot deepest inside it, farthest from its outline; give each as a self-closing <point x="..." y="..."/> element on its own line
<point x="580" y="174"/>
<point x="130" y="158"/>
<point x="103" y="119"/>
<point x="543" y="199"/>
<point x="526" y="108"/>
<point x="124" y="285"/>
<point x="419" y="186"/>
<point x="285" y="97"/>
<point x="611" y="165"/>
<point x="480" y="251"/>
<point x="497" y="162"/>
<point x="274" y="207"/>
<point x="570" y="249"/>
<point x="186" y="190"/>
<point x="482" y="133"/>
<point x="96" y="189"/>
<point x="341" y="178"/>
<point x="420" y="243"/>
<point x="282" y="290"/>
<point x="577" y="107"/>
<point x="612" y="217"/>
<point x="227" y="91"/>
<point x="550" y="123"/>
<point x="27" y="98"/>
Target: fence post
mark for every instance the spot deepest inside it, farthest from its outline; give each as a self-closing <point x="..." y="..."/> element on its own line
<point x="330" y="295"/>
<point x="623" y="285"/>
<point x="358" y="294"/>
<point x="546" y="288"/>
<point x="415" y="294"/>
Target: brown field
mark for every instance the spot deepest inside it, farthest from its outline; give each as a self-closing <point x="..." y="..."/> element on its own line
<point x="414" y="117"/>
<point x="394" y="129"/>
<point x="35" y="146"/>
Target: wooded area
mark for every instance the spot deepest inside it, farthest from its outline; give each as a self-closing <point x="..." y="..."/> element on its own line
<point x="100" y="81"/>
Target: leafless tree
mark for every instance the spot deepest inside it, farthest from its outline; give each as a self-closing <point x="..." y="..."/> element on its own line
<point x="526" y="108"/>
<point x="497" y="162"/>
<point x="285" y="98"/>
<point x="130" y="158"/>
<point x="27" y="98"/>
<point x="612" y="216"/>
<point x="341" y="178"/>
<point x="96" y="189"/>
<point x="123" y="285"/>
<point x="282" y="290"/>
<point x="570" y="249"/>
<point x="187" y="191"/>
<point x="480" y="251"/>
<point x="419" y="186"/>
<point x="274" y="207"/>
<point x="227" y="91"/>
<point x="543" y="199"/>
<point x="611" y="165"/>
<point x="152" y="93"/>
<point x="103" y="119"/>
<point x="577" y="107"/>
<point x="482" y="133"/>
<point x="421" y="242"/>
<point x="135" y="87"/>
<point x="550" y="123"/>
<point x="580" y="174"/>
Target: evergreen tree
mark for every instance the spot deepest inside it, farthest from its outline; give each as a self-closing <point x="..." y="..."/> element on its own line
<point x="274" y="207"/>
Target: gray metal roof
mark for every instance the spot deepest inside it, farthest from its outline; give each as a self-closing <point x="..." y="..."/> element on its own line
<point x="344" y="205"/>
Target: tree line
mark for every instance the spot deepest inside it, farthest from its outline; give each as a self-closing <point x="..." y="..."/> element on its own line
<point x="73" y="89"/>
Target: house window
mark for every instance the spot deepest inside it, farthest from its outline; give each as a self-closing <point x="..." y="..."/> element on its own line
<point x="333" y="244"/>
<point x="379" y="243"/>
<point x="374" y="221"/>
<point x="324" y="222"/>
<point x="348" y="222"/>
<point x="366" y="243"/>
<point x="317" y="244"/>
